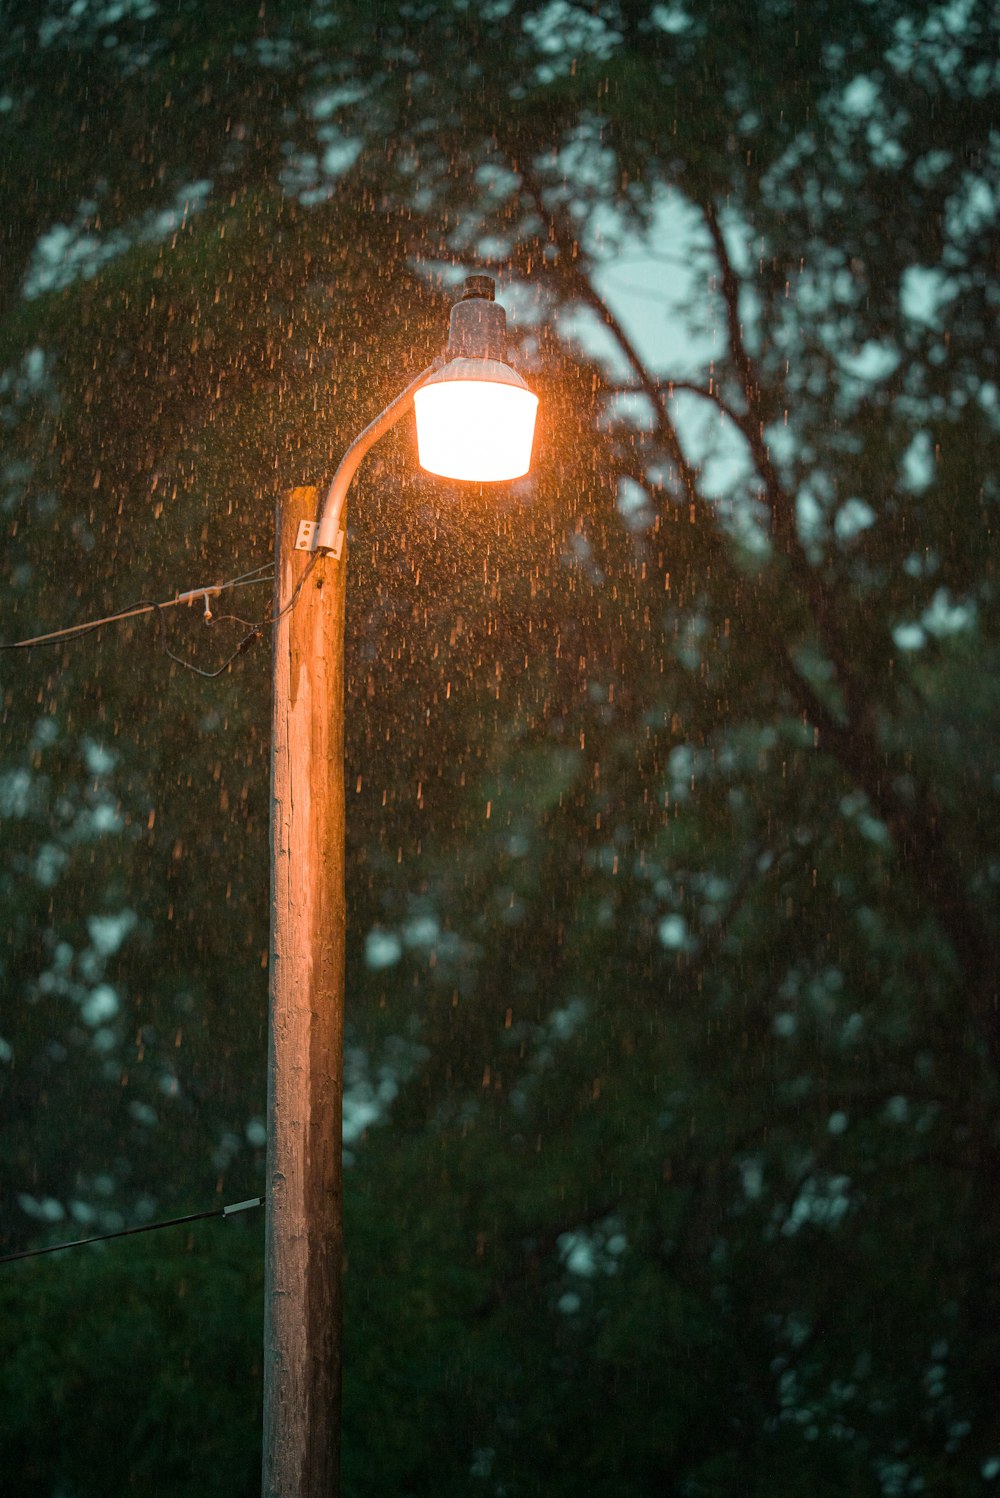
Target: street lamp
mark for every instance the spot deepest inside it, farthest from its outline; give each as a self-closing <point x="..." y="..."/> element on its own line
<point x="475" y="422"/>
<point x="475" y="414"/>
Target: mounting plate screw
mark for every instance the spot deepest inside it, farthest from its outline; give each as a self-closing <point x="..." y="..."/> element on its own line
<point x="305" y="539"/>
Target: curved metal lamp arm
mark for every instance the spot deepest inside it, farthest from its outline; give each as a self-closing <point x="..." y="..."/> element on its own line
<point x="325" y="533"/>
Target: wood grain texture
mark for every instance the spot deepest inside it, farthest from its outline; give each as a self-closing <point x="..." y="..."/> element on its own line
<point x="304" y="1247"/>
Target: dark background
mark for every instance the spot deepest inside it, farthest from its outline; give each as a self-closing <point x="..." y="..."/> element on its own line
<point x="672" y="868"/>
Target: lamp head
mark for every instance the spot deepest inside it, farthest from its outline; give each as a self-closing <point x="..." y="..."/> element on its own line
<point x="476" y="416"/>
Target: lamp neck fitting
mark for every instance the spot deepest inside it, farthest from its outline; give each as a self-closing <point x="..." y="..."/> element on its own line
<point x="478" y="328"/>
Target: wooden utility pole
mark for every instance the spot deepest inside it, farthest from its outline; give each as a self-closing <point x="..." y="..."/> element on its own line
<point x="304" y="1250"/>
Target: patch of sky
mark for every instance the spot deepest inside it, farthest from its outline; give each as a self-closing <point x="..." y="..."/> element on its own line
<point x="746" y="521"/>
<point x="496" y="181"/>
<point x="582" y="327"/>
<point x="751" y="1177"/>
<point x="560" y="30"/>
<point x="421" y="931"/>
<point x="226" y="1150"/>
<point x="563" y="1023"/>
<point x="482" y="1462"/>
<point x="41" y="1208"/>
<point x="651" y="280"/>
<point x="781" y="443"/>
<point x="98" y="758"/>
<point x="988" y="397"/>
<point x="578" y="1254"/>
<point x="943" y="617"/>
<point x="370" y="1092"/>
<point x="724" y="462"/>
<point x="883" y="150"/>
<point x="44" y="733"/>
<point x="810" y="517"/>
<point x="17" y="795"/>
<point x="6" y="1050"/>
<point x="633" y="504"/>
<point x="340" y="151"/>
<point x="629" y="408"/>
<point x="672" y="933"/>
<point x="931" y="166"/>
<point x="569" y="1303"/>
<point x="276" y="52"/>
<point x="861" y="96"/>
<point x="98" y="820"/>
<point x="587" y="1252"/>
<point x="493" y="247"/>
<point x="837" y="1123"/>
<point x="50" y="861"/>
<point x="853" y="517"/>
<point x="326" y="103"/>
<point x="822" y="988"/>
<point x="71" y="252"/>
<point x="681" y="767"/>
<point x="822" y="1201"/>
<point x="896" y="1110"/>
<point x="971" y="209"/>
<point x="322" y="17"/>
<point x="256" y="1132"/>
<point x="917" y="464"/>
<point x="931" y="37"/>
<point x="687" y="650"/>
<point x="872" y="362"/>
<point x="107" y="932"/>
<point x="34" y="369"/>
<point x="851" y="1030"/>
<point x="924" y="292"/>
<point x="142" y="1113"/>
<point x="908" y="637"/>
<point x="383" y="948"/>
<point x="672" y="19"/>
<point x="83" y="15"/>
<point x="784" y="1025"/>
<point x="856" y="808"/>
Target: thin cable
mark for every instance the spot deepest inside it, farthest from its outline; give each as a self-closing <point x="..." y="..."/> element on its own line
<point x="149" y="1227"/>
<point x="191" y="595"/>
<point x="255" y="632"/>
<point x="76" y="631"/>
<point x="245" y="643"/>
<point x="243" y="575"/>
<point x="297" y="589"/>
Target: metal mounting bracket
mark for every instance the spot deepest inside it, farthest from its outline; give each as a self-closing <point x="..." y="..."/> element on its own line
<point x="305" y="539"/>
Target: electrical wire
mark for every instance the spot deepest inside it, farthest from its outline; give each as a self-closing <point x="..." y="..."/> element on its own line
<point x="149" y="1227"/>
<point x="77" y="631"/>
<point x="145" y="606"/>
<point x="257" y="575"/>
<point x="254" y="633"/>
<point x="245" y="580"/>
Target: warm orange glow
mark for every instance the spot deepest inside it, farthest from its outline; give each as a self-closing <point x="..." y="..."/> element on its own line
<point x="477" y="430"/>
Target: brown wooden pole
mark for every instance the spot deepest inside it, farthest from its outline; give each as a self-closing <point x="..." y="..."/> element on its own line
<point x="304" y="1232"/>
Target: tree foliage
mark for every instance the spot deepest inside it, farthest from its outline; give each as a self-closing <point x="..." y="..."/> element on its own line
<point x="672" y="967"/>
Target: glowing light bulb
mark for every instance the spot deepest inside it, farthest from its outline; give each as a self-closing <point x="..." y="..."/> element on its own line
<point x="475" y="422"/>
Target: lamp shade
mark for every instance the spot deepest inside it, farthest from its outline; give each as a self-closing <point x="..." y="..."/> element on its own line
<point x="475" y="421"/>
